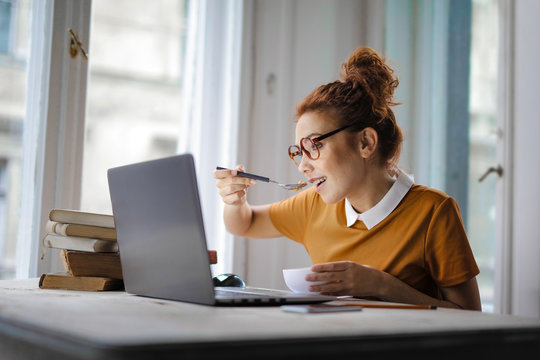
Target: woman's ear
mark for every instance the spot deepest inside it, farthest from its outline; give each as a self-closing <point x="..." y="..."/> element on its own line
<point x="368" y="140"/>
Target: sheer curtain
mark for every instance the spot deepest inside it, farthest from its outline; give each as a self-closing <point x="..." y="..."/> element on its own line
<point x="210" y="118"/>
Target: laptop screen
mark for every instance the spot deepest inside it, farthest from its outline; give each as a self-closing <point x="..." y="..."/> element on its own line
<point x="160" y="229"/>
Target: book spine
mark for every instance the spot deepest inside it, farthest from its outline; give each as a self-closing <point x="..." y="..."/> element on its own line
<point x="50" y="227"/>
<point x="87" y="264"/>
<point x="212" y="256"/>
<point x="56" y="228"/>
<point x="65" y="262"/>
<point x="80" y="243"/>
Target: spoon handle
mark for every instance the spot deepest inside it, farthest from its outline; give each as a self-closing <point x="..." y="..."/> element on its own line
<point x="247" y="175"/>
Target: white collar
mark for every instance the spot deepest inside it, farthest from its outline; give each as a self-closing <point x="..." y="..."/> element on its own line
<point x="383" y="208"/>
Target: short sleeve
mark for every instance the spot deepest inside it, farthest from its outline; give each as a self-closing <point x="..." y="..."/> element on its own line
<point x="290" y="216"/>
<point x="448" y="254"/>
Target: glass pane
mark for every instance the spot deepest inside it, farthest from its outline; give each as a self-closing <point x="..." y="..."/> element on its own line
<point x="6" y="10"/>
<point x="14" y="50"/>
<point x="483" y="139"/>
<point x="134" y="93"/>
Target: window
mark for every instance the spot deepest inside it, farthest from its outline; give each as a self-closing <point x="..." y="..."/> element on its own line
<point x="134" y="91"/>
<point x="14" y="24"/>
<point x="4" y="267"/>
<point x="134" y="106"/>
<point x="447" y="51"/>
<point x="483" y="142"/>
<point x="6" y="12"/>
<point x="142" y="106"/>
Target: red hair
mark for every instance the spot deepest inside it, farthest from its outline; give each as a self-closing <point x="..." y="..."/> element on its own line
<point x="363" y="98"/>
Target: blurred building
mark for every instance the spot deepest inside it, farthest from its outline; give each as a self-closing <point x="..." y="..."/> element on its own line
<point x="14" y="30"/>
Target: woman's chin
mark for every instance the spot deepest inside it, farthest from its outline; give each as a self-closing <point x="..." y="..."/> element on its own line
<point x="330" y="198"/>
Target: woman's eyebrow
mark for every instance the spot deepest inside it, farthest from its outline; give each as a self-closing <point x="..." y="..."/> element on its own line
<point x="315" y="134"/>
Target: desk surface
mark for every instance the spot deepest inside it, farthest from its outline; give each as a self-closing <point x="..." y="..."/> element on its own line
<point x="117" y="325"/>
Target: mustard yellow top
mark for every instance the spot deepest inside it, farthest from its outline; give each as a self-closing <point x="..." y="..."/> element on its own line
<point x="422" y="241"/>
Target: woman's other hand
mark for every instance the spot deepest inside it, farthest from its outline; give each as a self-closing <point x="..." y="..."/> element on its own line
<point x="345" y="278"/>
<point x="364" y="281"/>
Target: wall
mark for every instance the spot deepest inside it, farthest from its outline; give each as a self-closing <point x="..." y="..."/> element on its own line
<point x="525" y="284"/>
<point x="297" y="46"/>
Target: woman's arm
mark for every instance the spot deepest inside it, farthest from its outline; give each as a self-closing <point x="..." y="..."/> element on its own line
<point x="350" y="278"/>
<point x="466" y="295"/>
<point x="242" y="219"/>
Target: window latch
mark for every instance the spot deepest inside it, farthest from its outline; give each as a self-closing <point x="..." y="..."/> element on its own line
<point x="498" y="170"/>
<point x="75" y="45"/>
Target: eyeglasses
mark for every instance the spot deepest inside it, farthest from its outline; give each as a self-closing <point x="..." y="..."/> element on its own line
<point x="310" y="146"/>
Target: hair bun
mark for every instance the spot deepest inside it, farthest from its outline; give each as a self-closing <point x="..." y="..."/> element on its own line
<point x="362" y="99"/>
<point x="367" y="67"/>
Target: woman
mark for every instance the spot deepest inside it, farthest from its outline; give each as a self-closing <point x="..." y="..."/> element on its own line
<point x="368" y="229"/>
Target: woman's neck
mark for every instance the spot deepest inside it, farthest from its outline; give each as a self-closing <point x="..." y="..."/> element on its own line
<point x="372" y="189"/>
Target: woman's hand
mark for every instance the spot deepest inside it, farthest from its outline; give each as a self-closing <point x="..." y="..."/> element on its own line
<point x="345" y="278"/>
<point x="349" y="278"/>
<point x="232" y="188"/>
<point x="242" y="219"/>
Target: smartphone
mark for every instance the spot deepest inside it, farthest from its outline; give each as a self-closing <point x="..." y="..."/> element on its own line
<point x="319" y="308"/>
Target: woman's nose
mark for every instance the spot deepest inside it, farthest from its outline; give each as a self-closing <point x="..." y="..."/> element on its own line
<point x="305" y="164"/>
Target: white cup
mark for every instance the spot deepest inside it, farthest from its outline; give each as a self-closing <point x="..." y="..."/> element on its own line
<point x="296" y="280"/>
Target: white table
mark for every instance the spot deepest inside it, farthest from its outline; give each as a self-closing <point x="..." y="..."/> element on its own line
<point x="51" y="324"/>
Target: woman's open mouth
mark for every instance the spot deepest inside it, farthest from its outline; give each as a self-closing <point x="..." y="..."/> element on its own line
<point x="318" y="183"/>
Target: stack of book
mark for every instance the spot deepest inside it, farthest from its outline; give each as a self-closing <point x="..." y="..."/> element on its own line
<point x="89" y="251"/>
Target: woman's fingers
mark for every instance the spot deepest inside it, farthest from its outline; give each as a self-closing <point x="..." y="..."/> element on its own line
<point x="345" y="278"/>
<point x="234" y="198"/>
<point x="332" y="286"/>
<point x="232" y="188"/>
<point x="332" y="266"/>
<point x="336" y="289"/>
<point x="325" y="276"/>
<point x="223" y="174"/>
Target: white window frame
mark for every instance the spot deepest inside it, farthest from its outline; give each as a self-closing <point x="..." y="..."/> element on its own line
<point x="429" y="166"/>
<point x="54" y="126"/>
<point x="53" y="136"/>
<point x="504" y="187"/>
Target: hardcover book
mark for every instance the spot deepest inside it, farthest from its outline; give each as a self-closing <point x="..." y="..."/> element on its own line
<point x="87" y="231"/>
<point x="66" y="216"/>
<point x="84" y="283"/>
<point x="80" y="263"/>
<point x="80" y="243"/>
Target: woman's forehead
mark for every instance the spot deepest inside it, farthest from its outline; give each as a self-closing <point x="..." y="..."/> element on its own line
<point x="313" y="124"/>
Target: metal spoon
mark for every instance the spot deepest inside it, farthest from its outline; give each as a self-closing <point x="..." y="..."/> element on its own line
<point x="293" y="187"/>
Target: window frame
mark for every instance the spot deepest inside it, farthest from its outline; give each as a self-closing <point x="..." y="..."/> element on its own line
<point x="504" y="238"/>
<point x="53" y="136"/>
<point x="54" y="128"/>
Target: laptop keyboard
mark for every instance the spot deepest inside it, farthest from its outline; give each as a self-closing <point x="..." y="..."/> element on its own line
<point x="237" y="296"/>
<point x="258" y="296"/>
<point x="240" y="295"/>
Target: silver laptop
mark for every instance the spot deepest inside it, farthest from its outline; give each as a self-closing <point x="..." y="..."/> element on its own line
<point x="161" y="237"/>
